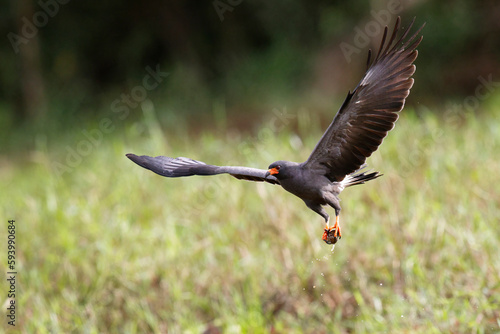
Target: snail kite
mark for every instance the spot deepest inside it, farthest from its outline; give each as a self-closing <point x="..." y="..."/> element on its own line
<point x="364" y="119"/>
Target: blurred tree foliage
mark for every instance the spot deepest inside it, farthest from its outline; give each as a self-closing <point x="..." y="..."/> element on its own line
<point x="236" y="49"/>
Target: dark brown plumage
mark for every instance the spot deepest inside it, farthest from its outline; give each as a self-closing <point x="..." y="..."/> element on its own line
<point x="370" y="111"/>
<point x="360" y="125"/>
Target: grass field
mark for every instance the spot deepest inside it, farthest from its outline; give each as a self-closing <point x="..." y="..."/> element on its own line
<point x="110" y="247"/>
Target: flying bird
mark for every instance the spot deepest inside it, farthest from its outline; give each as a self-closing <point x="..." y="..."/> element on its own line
<point x="368" y="113"/>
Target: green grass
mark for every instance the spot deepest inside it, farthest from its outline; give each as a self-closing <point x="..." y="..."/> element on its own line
<point x="111" y="247"/>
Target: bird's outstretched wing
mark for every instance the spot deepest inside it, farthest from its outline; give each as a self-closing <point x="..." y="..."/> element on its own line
<point x="370" y="111"/>
<point x="178" y="167"/>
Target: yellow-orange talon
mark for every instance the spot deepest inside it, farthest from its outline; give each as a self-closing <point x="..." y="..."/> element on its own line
<point x="332" y="234"/>
<point x="329" y="237"/>
<point x="325" y="235"/>
<point x="336" y="227"/>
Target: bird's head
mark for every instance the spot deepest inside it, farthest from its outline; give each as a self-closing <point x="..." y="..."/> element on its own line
<point x="280" y="169"/>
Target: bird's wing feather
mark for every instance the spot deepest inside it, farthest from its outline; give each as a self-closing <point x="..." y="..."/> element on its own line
<point x="178" y="167"/>
<point x="370" y="111"/>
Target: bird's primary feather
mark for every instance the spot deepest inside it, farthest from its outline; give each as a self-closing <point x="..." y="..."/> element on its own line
<point x="370" y="111"/>
<point x="179" y="167"/>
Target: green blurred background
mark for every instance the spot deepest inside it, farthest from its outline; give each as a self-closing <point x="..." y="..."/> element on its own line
<point x="105" y="246"/>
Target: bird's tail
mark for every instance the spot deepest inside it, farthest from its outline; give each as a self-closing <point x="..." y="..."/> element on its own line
<point x="359" y="177"/>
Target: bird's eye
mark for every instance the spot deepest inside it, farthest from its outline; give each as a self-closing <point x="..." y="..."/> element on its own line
<point x="278" y="167"/>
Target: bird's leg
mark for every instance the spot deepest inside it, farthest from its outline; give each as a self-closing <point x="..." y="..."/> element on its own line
<point x="332" y="234"/>
<point x="336" y="227"/>
<point x="326" y="231"/>
<point x="329" y="235"/>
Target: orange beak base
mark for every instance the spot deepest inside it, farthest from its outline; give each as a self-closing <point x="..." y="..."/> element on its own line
<point x="273" y="171"/>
